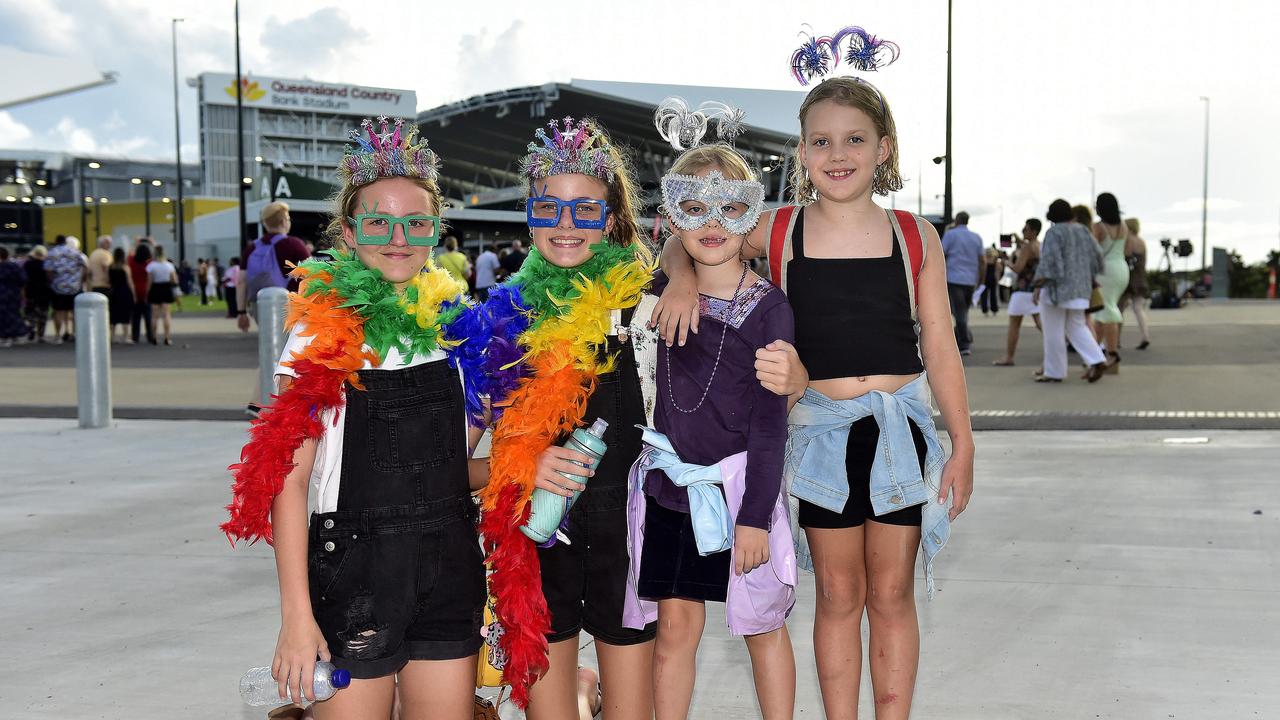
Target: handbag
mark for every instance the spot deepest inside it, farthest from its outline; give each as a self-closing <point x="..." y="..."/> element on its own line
<point x="492" y="657"/>
<point x="1096" y="301"/>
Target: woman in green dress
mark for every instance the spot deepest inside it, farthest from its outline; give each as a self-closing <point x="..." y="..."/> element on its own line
<point x="1111" y="234"/>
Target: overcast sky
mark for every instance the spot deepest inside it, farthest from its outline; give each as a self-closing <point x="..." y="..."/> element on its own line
<point x="1042" y="89"/>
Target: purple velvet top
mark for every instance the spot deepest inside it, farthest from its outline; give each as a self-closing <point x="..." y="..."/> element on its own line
<point x="738" y="414"/>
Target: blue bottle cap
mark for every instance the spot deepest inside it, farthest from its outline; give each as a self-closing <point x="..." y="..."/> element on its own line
<point x="341" y="678"/>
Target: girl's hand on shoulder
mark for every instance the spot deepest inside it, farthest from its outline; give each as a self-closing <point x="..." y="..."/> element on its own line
<point x="676" y="314"/>
<point x="779" y="370"/>
<point x="294" y="665"/>
<point x="750" y="548"/>
<point x="957" y="480"/>
<point x="555" y="460"/>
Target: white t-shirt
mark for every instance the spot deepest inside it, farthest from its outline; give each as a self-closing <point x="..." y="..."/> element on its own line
<point x="486" y="269"/>
<point x="160" y="271"/>
<point x="327" y="470"/>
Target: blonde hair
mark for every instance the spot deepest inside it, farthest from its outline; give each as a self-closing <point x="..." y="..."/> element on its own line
<point x="1133" y="225"/>
<point x="860" y="95"/>
<point x="715" y="155"/>
<point x="622" y="197"/>
<point x="343" y="206"/>
<point x="39" y="252"/>
<point x="1083" y="215"/>
<point x="273" y="214"/>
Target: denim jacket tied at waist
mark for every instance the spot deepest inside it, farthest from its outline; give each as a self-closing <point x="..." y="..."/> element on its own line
<point x="815" y="463"/>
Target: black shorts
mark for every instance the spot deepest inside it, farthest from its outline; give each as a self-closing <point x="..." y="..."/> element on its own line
<point x="62" y="303"/>
<point x="390" y="585"/>
<point x="160" y="293"/>
<point x="585" y="581"/>
<point x="859" y="455"/>
<point x="670" y="566"/>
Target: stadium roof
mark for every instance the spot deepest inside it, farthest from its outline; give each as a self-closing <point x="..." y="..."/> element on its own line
<point x="482" y="138"/>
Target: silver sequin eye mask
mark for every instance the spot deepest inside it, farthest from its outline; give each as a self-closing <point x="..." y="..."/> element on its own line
<point x="691" y="201"/>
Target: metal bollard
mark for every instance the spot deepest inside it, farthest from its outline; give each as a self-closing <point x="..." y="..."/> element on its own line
<point x="271" y="311"/>
<point x="93" y="360"/>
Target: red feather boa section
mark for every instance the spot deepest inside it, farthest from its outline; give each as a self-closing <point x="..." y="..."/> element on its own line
<point x="334" y="355"/>
<point x="268" y="457"/>
<point x="548" y="402"/>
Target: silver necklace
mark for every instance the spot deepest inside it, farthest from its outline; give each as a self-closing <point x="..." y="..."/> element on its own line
<point x="733" y="306"/>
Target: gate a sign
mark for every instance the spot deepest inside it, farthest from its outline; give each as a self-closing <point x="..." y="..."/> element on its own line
<point x="285" y="185"/>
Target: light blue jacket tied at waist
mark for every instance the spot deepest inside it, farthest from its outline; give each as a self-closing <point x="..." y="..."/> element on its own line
<point x="815" y="462"/>
<point x="755" y="602"/>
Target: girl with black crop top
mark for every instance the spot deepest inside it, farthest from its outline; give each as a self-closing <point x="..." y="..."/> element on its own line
<point x="856" y="314"/>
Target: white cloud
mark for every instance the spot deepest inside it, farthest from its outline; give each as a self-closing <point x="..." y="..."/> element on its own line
<point x="12" y="132"/>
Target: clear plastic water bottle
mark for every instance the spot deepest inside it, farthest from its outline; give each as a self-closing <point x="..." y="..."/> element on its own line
<point x="548" y="508"/>
<point x="259" y="689"/>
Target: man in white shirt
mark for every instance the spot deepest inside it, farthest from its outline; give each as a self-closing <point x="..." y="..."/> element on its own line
<point x="487" y="267"/>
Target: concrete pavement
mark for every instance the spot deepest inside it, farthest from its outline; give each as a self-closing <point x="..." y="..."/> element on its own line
<point x="1220" y="362"/>
<point x="1096" y="575"/>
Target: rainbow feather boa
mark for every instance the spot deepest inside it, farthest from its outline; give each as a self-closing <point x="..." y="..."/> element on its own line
<point x="550" y="325"/>
<point x="352" y="316"/>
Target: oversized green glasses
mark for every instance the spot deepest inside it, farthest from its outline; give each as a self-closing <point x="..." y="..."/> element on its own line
<point x="376" y="229"/>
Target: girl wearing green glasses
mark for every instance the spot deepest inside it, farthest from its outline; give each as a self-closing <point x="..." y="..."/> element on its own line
<point x="370" y="432"/>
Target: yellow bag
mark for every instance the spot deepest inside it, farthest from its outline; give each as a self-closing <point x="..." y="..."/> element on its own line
<point x="492" y="657"/>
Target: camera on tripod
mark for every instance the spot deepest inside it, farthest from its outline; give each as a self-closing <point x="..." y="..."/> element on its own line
<point x="1167" y="297"/>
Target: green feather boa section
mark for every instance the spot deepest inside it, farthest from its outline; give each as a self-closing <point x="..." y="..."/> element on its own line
<point x="545" y="287"/>
<point x="387" y="323"/>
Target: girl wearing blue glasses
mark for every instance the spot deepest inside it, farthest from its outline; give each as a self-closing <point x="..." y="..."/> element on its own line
<point x="557" y="363"/>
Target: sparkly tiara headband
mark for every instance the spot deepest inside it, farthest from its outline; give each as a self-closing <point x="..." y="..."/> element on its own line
<point x="684" y="127"/>
<point x="862" y="51"/>
<point x="735" y="204"/>
<point x="571" y="149"/>
<point x="392" y="152"/>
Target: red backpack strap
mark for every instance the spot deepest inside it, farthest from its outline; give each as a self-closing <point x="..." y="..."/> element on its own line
<point x="912" y="239"/>
<point x="780" y="244"/>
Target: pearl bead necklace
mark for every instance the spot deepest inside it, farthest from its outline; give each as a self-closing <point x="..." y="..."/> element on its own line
<point x="729" y="311"/>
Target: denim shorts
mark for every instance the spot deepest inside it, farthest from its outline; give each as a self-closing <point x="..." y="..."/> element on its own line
<point x="390" y="586"/>
<point x="860" y="453"/>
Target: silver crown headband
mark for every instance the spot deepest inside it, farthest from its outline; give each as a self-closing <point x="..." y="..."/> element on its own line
<point x="691" y="201"/>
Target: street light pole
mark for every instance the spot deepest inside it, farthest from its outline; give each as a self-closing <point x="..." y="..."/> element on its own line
<point x="240" y="185"/>
<point x="946" y="190"/>
<point x="81" y="192"/>
<point x="1093" y="186"/>
<point x="178" y="223"/>
<point x="1204" y="202"/>
<point x="920" y="190"/>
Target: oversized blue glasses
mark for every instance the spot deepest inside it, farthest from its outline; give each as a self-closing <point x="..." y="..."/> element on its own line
<point x="586" y="214"/>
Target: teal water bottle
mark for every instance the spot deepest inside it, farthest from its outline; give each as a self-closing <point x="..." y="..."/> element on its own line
<point x="548" y="509"/>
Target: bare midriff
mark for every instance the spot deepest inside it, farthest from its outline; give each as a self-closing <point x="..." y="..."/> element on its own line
<point x="848" y="388"/>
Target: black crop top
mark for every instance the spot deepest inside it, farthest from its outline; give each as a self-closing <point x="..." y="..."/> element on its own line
<point x="853" y="315"/>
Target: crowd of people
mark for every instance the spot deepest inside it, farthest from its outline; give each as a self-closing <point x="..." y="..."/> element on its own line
<point x="1075" y="285"/>
<point x="39" y="289"/>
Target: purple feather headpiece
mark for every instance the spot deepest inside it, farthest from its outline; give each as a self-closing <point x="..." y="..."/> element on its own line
<point x="580" y="148"/>
<point x="866" y="52"/>
<point x="817" y="56"/>
<point x="387" y="151"/>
